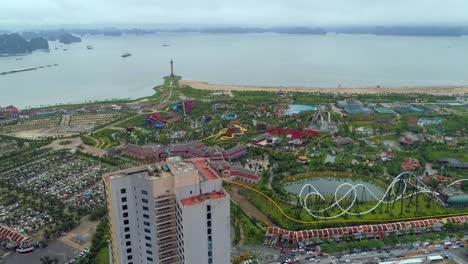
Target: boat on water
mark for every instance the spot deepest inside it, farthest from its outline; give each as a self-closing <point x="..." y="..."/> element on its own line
<point x="90" y="47"/>
<point x="126" y="54"/>
<point x="166" y="45"/>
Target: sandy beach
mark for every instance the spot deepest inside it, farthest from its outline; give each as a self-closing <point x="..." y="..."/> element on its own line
<point x="436" y="90"/>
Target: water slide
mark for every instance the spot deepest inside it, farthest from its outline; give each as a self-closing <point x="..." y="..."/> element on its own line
<point x="241" y="132"/>
<point x="155" y="120"/>
<point x="219" y="134"/>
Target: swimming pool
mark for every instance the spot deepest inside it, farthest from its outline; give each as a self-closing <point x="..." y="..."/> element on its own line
<point x="296" y="109"/>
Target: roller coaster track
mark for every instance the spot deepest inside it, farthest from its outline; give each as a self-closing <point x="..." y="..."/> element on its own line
<point x="457" y="181"/>
<point x="390" y="196"/>
<point x="331" y="221"/>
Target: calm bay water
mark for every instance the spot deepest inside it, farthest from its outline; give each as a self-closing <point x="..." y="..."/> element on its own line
<point x="256" y="59"/>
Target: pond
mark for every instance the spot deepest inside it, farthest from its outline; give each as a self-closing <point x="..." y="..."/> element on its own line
<point x="296" y="109"/>
<point x="327" y="186"/>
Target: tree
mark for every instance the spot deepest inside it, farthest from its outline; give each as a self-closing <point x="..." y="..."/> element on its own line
<point x="48" y="260"/>
<point x="423" y="238"/>
<point x="442" y="235"/>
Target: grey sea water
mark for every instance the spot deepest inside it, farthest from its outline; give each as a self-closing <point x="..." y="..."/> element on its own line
<point x="254" y="59"/>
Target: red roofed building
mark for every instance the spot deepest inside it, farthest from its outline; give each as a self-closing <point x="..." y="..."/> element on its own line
<point x="8" y="114"/>
<point x="151" y="152"/>
<point x="197" y="149"/>
<point x="18" y="239"/>
<point x="275" y="235"/>
<point x="406" y="141"/>
<point x="410" y="164"/>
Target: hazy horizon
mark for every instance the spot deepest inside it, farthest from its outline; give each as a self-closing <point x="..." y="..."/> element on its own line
<point x="52" y="14"/>
<point x="25" y="28"/>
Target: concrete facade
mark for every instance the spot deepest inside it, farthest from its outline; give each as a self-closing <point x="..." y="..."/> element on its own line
<point x="180" y="215"/>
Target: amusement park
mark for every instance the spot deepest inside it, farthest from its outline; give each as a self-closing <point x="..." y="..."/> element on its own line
<point x="305" y="172"/>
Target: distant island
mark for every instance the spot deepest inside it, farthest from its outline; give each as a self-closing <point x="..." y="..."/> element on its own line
<point x="16" y="44"/>
<point x="68" y="39"/>
<point x="68" y="36"/>
<point x="28" y="42"/>
<point x="279" y="30"/>
<point x="423" y="31"/>
<point x="429" y="30"/>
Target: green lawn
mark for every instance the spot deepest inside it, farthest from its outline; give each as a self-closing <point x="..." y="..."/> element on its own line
<point x="137" y="121"/>
<point x="103" y="256"/>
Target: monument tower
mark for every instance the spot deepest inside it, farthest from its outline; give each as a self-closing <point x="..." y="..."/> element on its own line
<point x="172" y="68"/>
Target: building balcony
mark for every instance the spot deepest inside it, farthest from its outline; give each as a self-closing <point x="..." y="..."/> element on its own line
<point x="166" y="234"/>
<point x="164" y="196"/>
<point x="170" y="261"/>
<point x="165" y="219"/>
<point x="163" y="212"/>
<point x="169" y="249"/>
<point x="167" y="241"/>
<point x="169" y="257"/>
<point x="164" y="204"/>
<point x="167" y="226"/>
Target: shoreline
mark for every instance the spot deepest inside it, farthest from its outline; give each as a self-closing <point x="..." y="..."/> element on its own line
<point x="434" y="90"/>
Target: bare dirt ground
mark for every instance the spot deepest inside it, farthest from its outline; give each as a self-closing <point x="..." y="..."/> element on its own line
<point x="41" y="133"/>
<point x="74" y="143"/>
<point x="94" y="151"/>
<point x="439" y="90"/>
<point x="84" y="231"/>
<point x="248" y="207"/>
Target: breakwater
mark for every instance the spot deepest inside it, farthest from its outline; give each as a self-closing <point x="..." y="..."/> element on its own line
<point x="28" y="69"/>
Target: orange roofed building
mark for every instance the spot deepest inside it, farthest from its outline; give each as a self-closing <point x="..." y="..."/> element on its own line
<point x="410" y="164"/>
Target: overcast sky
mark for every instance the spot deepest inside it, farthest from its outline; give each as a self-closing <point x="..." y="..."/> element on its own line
<point x="27" y="13"/>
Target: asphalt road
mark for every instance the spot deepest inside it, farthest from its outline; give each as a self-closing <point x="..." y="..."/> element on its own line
<point x="56" y="248"/>
<point x="372" y="256"/>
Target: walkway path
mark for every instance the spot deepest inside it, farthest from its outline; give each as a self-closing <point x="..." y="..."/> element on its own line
<point x="241" y="235"/>
<point x="248" y="207"/>
<point x="65" y="121"/>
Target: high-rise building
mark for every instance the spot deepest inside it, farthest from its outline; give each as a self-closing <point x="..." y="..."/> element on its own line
<point x="170" y="212"/>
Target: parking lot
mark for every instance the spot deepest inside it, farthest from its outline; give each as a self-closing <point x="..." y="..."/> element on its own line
<point x="456" y="253"/>
<point x="65" y="176"/>
<point x="48" y="193"/>
<point x="55" y="249"/>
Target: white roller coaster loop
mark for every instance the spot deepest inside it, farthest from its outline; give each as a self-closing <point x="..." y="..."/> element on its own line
<point x="304" y="197"/>
<point x="457" y="181"/>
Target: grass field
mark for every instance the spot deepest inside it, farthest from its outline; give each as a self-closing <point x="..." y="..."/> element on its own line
<point x="102" y="139"/>
<point x="137" y="121"/>
<point x="103" y="256"/>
